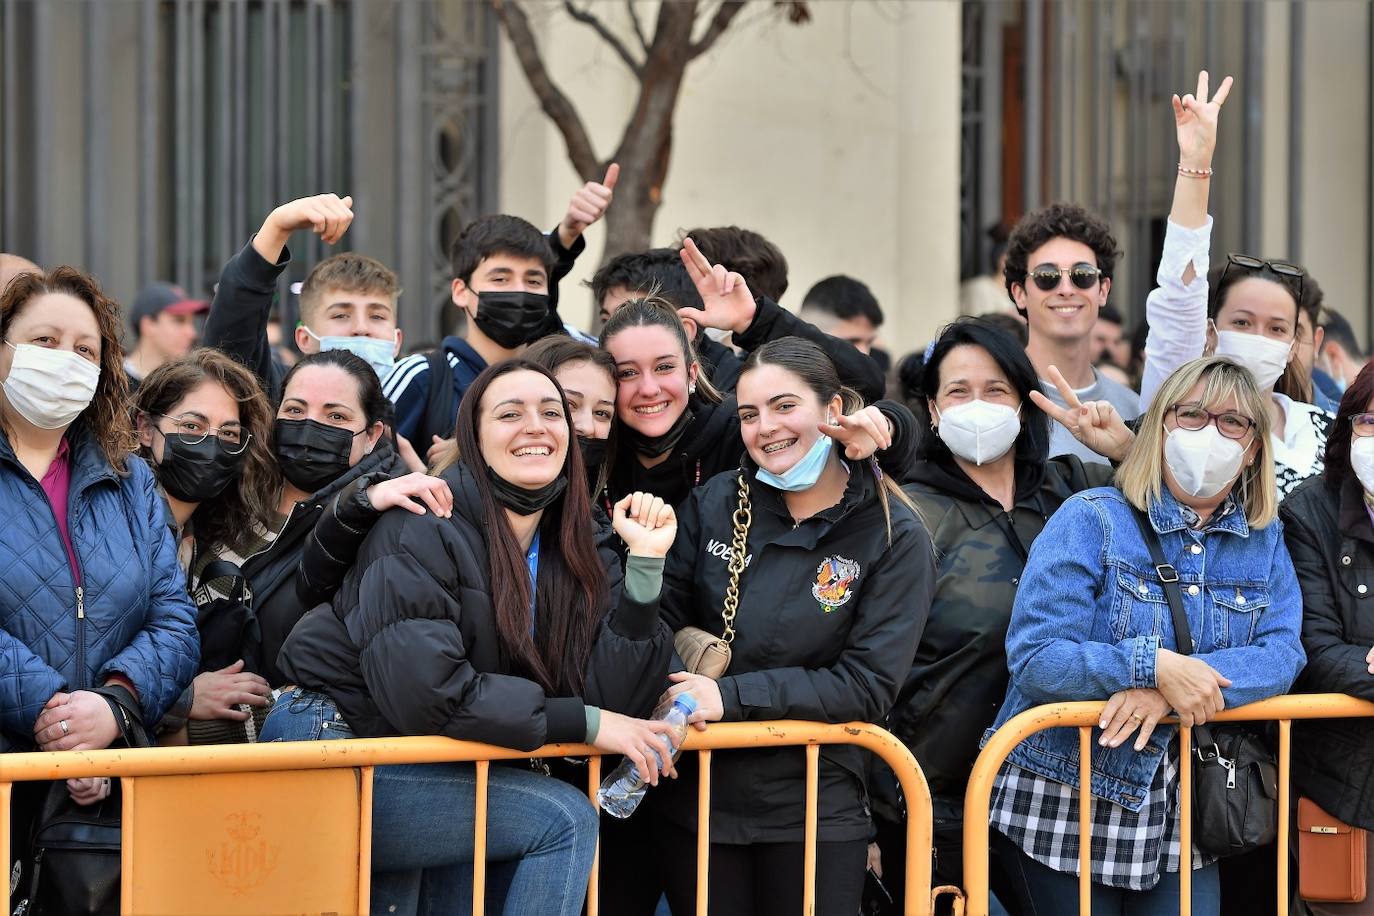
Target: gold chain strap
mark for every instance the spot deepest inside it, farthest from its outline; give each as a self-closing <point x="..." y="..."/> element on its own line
<point x="743" y="516"/>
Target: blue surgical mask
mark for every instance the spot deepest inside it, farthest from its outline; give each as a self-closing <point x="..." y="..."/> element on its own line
<point x="377" y="353"/>
<point x="804" y="474"/>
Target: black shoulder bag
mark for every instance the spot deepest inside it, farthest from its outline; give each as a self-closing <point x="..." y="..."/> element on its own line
<point x="1235" y="777"/>
<point x="229" y="629"/>
<point x="75" y="848"/>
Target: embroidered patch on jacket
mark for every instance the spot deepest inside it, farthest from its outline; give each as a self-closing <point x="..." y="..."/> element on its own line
<point x="833" y="578"/>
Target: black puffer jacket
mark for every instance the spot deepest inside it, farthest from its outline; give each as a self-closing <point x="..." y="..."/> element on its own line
<point x="410" y="646"/>
<point x="829" y="617"/>
<point x="1331" y="540"/>
<point x="271" y="573"/>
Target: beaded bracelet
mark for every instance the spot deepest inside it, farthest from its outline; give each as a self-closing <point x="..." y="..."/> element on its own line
<point x="1194" y="173"/>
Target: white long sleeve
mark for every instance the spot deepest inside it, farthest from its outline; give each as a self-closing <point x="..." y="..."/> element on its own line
<point x="1176" y="313"/>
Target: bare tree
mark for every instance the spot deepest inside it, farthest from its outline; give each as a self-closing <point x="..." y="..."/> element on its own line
<point x="659" y="62"/>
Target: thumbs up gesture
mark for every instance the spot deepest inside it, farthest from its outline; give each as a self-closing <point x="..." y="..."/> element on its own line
<point x="587" y="206"/>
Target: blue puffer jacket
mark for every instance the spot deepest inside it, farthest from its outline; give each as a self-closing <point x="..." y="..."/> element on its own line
<point x="131" y="616"/>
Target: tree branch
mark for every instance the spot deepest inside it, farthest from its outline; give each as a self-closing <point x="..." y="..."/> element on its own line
<point x="726" y="12"/>
<point x="639" y="27"/>
<point x="555" y="104"/>
<point x="586" y="17"/>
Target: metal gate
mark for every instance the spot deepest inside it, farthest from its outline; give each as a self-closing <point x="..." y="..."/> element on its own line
<point x="147" y="139"/>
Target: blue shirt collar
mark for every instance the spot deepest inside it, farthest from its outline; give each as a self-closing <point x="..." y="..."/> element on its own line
<point x="1168" y="514"/>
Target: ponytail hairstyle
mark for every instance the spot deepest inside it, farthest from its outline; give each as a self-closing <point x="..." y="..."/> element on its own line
<point x="810" y="363"/>
<point x="655" y="311"/>
<point x="573" y="593"/>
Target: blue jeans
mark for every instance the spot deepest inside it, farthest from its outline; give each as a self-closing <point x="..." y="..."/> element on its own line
<point x="541" y="833"/>
<point x="1051" y="893"/>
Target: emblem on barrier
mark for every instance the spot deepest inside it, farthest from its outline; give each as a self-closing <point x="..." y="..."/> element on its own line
<point x="243" y="860"/>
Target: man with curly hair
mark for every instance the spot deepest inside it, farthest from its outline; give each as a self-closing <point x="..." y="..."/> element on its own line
<point x="1059" y="272"/>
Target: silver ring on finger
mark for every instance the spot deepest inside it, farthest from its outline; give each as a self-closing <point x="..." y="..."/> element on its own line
<point x="66" y="730"/>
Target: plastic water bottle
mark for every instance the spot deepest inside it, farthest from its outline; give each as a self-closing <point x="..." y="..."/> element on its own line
<point x="622" y="791"/>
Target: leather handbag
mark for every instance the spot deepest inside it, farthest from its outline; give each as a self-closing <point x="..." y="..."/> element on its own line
<point x="703" y="652"/>
<point x="75" y="862"/>
<point x="1332" y="864"/>
<point x="1235" y="776"/>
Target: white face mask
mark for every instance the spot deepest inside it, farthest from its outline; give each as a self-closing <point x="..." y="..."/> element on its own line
<point x="377" y="352"/>
<point x="978" y="431"/>
<point x="1265" y="357"/>
<point x="1362" y="461"/>
<point x="49" y="388"/>
<point x="1203" y="461"/>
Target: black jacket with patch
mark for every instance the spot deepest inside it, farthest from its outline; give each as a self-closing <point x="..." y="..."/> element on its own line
<point x="829" y="617"/>
<point x="410" y="645"/>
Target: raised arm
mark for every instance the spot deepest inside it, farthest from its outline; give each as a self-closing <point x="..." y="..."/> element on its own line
<point x="1176" y="309"/>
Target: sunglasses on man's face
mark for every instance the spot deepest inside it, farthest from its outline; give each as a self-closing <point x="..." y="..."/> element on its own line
<point x="1082" y="275"/>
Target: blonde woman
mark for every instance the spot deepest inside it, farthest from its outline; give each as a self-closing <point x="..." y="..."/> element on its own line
<point x="1091" y="622"/>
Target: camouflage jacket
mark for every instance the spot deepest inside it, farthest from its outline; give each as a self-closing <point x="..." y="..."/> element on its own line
<point x="959" y="677"/>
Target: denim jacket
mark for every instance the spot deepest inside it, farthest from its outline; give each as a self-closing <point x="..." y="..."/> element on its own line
<point x="1091" y="613"/>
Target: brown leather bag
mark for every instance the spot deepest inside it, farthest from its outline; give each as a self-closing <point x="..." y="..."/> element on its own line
<point x="702" y="651"/>
<point x="1331" y="857"/>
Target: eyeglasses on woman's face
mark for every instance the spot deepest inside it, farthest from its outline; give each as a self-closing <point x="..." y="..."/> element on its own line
<point x="1362" y="424"/>
<point x="1230" y="423"/>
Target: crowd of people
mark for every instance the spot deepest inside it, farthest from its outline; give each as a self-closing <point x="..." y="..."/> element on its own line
<point x="505" y="539"/>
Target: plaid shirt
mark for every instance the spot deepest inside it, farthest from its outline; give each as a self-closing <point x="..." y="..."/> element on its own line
<point x="1130" y="850"/>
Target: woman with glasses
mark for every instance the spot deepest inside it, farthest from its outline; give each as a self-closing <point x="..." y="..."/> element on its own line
<point x="1251" y="315"/>
<point x="204" y="426"/>
<point x="1091" y="620"/>
<point x="1328" y="523"/>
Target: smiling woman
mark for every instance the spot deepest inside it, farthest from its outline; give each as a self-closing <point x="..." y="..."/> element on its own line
<point x="514" y="625"/>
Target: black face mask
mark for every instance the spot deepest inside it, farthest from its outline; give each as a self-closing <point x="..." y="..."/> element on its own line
<point x="593" y="451"/>
<point x="312" y="455"/>
<point x="511" y="319"/>
<point x="653" y="446"/>
<point x="195" y="473"/>
<point x="522" y="501"/>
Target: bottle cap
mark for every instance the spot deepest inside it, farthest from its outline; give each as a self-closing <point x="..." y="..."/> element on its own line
<point x="687" y="703"/>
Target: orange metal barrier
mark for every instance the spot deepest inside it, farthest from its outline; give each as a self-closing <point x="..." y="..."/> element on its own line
<point x="1085" y="717"/>
<point x="286" y="827"/>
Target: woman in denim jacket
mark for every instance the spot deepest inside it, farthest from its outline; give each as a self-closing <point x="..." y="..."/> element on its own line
<point x="1091" y="621"/>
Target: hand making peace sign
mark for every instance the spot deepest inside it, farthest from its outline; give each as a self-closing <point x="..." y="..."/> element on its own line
<point x="726" y="301"/>
<point x="1195" y="119"/>
<point x="1096" y="424"/>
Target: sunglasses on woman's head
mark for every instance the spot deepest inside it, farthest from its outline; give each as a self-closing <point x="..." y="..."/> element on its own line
<point x="1282" y="268"/>
<point x="1082" y="275"/>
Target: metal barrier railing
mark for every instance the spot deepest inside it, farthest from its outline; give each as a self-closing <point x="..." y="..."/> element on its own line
<point x="170" y="764"/>
<point x="1084" y="716"/>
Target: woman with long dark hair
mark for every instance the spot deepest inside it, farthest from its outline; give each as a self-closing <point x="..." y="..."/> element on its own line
<point x="509" y="622"/>
<point x="205" y="428"/>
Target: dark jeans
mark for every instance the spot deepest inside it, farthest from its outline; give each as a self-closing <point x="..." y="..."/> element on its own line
<point x="1055" y="893"/>
<point x="763" y="877"/>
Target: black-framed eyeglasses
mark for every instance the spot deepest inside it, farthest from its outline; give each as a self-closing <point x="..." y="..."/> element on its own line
<point x="1082" y="275"/>
<point x="190" y="431"/>
<point x="1362" y="424"/>
<point x="1281" y="268"/>
<point x="1230" y="424"/>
